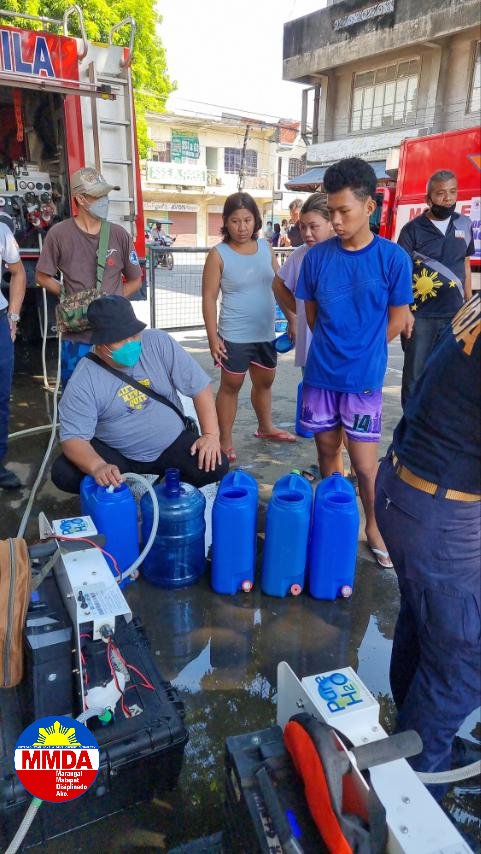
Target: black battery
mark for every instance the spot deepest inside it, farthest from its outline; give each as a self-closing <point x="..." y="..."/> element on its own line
<point x="48" y="685"/>
<point x="265" y="806"/>
<point x="140" y="756"/>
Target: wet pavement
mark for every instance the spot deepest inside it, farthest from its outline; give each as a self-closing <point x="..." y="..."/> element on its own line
<point x="222" y="652"/>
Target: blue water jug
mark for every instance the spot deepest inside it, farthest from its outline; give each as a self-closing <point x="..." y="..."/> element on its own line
<point x="334" y="536"/>
<point x="114" y="514"/>
<point x="177" y="556"/>
<point x="300" y="430"/>
<point x="234" y="532"/>
<point x="288" y="521"/>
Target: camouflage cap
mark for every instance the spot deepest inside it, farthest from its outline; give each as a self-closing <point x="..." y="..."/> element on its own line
<point x="90" y="182"/>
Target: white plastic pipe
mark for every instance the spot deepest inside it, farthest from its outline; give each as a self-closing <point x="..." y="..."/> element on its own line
<point x="51" y="442"/>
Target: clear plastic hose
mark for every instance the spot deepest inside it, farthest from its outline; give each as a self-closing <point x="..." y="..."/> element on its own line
<point x="155" y="522"/>
<point x="453" y="776"/>
<point x="51" y="442"/>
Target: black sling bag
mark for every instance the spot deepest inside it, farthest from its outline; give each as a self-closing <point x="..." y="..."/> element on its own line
<point x="189" y="423"/>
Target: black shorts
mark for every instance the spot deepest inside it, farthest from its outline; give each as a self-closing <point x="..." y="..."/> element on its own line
<point x="240" y="356"/>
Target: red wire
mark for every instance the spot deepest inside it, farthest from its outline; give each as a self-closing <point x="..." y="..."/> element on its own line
<point x="95" y="545"/>
<point x="114" y="675"/>
<point x="147" y="684"/>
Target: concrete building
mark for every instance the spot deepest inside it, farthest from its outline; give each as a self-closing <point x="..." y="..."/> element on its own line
<point x="194" y="165"/>
<point x="382" y="71"/>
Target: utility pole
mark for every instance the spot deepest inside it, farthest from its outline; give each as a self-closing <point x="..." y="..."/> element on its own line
<point x="242" y="166"/>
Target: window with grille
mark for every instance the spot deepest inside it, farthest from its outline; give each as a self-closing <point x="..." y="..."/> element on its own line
<point x="233" y="159"/>
<point x="161" y="152"/>
<point x="385" y="97"/>
<point x="296" y="166"/>
<point x="474" y="105"/>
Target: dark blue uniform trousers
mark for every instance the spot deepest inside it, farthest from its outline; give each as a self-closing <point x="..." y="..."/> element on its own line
<point x="6" y="373"/>
<point x="435" y="674"/>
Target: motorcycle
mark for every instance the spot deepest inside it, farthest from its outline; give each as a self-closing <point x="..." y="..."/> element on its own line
<point x="164" y="259"/>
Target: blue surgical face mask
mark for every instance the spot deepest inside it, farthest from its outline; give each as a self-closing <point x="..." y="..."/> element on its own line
<point x="128" y="354"/>
<point x="100" y="208"/>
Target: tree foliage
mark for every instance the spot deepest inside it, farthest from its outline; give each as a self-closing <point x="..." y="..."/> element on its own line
<point x="149" y="68"/>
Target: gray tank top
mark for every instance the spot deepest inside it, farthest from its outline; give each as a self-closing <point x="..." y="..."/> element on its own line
<point x="247" y="310"/>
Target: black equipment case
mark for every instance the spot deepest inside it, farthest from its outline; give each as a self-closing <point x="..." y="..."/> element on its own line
<point x="265" y="810"/>
<point x="140" y="756"/>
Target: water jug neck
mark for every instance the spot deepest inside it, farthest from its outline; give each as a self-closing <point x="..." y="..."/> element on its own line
<point x="172" y="481"/>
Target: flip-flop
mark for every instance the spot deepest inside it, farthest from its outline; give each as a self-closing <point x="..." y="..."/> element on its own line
<point x="281" y="436"/>
<point x="381" y="553"/>
<point x="230" y="454"/>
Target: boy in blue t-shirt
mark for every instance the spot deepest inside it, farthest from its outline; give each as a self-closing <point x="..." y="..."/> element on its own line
<point x="357" y="289"/>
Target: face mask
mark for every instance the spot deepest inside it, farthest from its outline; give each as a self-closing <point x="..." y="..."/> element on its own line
<point x="442" y="212"/>
<point x="100" y="208"/>
<point x="128" y="354"/>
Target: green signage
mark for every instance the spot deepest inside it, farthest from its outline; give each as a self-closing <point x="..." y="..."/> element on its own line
<point x="184" y="145"/>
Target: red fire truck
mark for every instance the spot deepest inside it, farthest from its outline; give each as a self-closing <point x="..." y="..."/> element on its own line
<point x="459" y="151"/>
<point x="64" y="103"/>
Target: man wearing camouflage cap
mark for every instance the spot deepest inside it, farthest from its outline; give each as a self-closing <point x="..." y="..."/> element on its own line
<point x="71" y="247"/>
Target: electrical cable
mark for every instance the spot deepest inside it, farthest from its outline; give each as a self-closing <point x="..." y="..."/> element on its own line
<point x="43" y="465"/>
<point x="91" y="543"/>
<point x="116" y="681"/>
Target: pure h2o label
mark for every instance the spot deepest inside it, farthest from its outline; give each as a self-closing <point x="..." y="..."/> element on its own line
<point x="57" y="759"/>
<point x="338" y="691"/>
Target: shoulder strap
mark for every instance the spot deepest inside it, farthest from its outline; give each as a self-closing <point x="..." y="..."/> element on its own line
<point x="145" y="389"/>
<point x="102" y="253"/>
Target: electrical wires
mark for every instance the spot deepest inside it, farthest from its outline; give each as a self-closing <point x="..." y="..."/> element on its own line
<point x="95" y="545"/>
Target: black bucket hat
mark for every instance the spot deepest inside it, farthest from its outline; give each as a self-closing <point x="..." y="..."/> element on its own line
<point x="112" y="319"/>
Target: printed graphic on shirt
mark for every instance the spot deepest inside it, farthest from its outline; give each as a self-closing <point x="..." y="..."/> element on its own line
<point x="132" y="396"/>
<point x="427" y="282"/>
<point x="466" y="325"/>
<point x="133" y="257"/>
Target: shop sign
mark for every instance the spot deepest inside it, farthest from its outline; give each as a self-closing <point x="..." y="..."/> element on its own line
<point x="184" y="174"/>
<point x="366" y="14"/>
<point x="184" y="145"/>
<point x="178" y="207"/>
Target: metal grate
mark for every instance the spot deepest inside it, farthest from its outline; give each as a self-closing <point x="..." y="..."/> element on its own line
<point x="176" y="298"/>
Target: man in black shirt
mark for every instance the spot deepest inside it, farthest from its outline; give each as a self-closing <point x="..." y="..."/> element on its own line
<point x="293" y="228"/>
<point x="428" y="511"/>
<point x="440" y="242"/>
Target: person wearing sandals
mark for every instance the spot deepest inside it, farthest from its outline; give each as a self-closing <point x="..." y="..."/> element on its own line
<point x="241" y="269"/>
<point x="357" y="289"/>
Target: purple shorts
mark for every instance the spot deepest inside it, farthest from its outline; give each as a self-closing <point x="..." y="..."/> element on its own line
<point x="359" y="414"/>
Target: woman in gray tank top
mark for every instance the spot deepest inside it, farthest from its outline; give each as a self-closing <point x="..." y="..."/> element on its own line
<point x="241" y="269"/>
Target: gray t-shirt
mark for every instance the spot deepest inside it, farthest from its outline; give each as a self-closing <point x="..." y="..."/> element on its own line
<point x="98" y="404"/>
<point x="247" y="309"/>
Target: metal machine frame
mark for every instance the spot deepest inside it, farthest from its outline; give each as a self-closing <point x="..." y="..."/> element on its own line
<point x="416" y="823"/>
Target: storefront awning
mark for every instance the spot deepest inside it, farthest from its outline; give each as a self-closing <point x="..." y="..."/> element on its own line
<point x="312" y="179"/>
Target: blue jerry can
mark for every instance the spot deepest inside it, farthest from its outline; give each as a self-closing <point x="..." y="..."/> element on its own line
<point x="114" y="513"/>
<point x="234" y="532"/>
<point x="288" y="522"/>
<point x="334" y="538"/>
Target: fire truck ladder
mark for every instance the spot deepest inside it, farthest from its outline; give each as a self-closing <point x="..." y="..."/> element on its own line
<point x="122" y="80"/>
